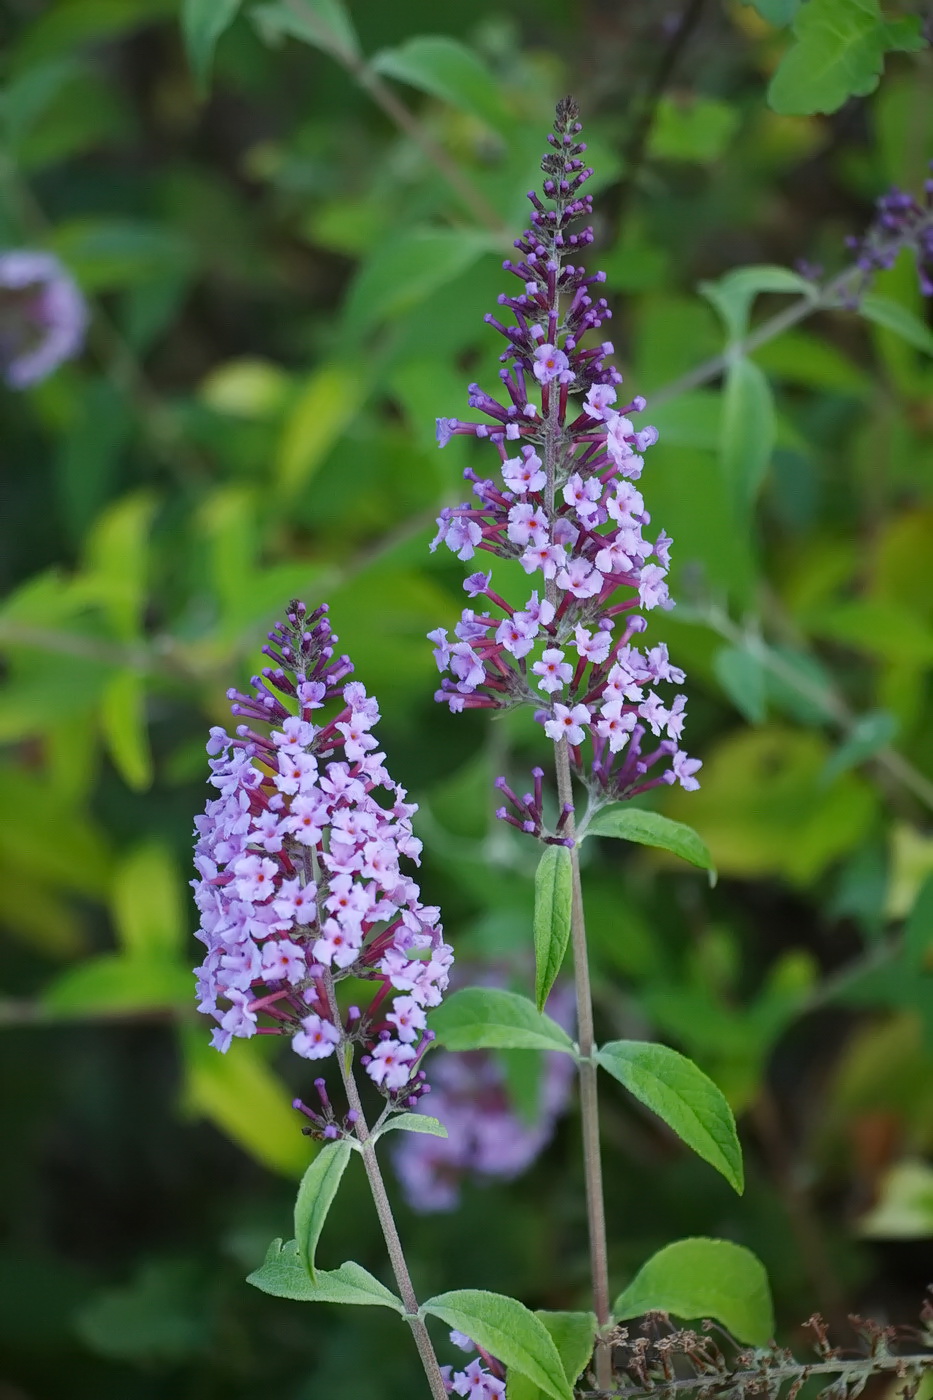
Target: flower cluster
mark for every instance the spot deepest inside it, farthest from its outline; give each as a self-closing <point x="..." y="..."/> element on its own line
<point x="474" y="1382"/>
<point x="565" y="506"/>
<point x="42" y="317"/>
<point x="300" y="880"/>
<point x="901" y="221"/>
<point x="486" y="1137"/>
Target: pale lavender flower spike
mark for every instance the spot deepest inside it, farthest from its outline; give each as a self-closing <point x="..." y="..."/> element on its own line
<point x="564" y="504"/>
<point x="43" y="317"/>
<point x="301" y="881"/>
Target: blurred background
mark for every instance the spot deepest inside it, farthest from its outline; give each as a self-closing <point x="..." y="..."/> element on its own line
<point x="287" y="264"/>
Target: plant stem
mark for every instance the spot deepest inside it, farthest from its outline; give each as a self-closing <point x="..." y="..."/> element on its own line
<point x="382" y="94"/>
<point x="824" y="697"/>
<point x="589" y="1099"/>
<point x="822" y="300"/>
<point x="386" y="1218"/>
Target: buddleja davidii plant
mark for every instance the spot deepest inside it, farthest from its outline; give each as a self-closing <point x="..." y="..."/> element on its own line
<point x="302" y="885"/>
<point x="564" y="503"/>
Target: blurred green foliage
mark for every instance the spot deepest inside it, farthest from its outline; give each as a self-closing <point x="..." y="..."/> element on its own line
<point x="289" y="275"/>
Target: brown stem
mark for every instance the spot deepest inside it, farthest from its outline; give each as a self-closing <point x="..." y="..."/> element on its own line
<point x="589" y="1100"/>
<point x="384" y="1211"/>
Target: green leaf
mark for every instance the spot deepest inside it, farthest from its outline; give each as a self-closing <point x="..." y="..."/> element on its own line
<point x="245" y="1099"/>
<point x="651" y="829"/>
<point x="839" y="53"/>
<point x="895" y="317"/>
<point x="742" y="678"/>
<point x="284" y="1275"/>
<point x="799" y="685"/>
<point x="869" y="733"/>
<point x="414" y="1123"/>
<point x="486" y="1018"/>
<point x="574" y="1335"/>
<point x="117" y="563"/>
<point x="25" y="99"/>
<point x="918" y="931"/>
<point x="161" y="1316"/>
<point x="113" y="254"/>
<point x="115" y="983"/>
<point x="695" y="130"/>
<point x="553" y="895"/>
<point x="678" y="1091"/>
<point x="148" y="904"/>
<point x="700" y="1278"/>
<point x="326" y="405"/>
<point x="447" y="69"/>
<point x="324" y="23"/>
<point x="904" y="1205"/>
<point x="203" y="22"/>
<point x="125" y="729"/>
<point x="406" y="270"/>
<point x="747" y="432"/>
<point x="505" y="1327"/>
<point x="776" y="12"/>
<point x="315" y="1197"/>
<point x="734" y="293"/>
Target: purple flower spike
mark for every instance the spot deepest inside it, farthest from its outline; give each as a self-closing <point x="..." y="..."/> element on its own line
<point x="300" y="874"/>
<point x="564" y="504"/>
<point x="900" y="221"/>
<point x="43" y="317"/>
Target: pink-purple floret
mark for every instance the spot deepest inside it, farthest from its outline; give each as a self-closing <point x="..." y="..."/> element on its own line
<point x="300" y="879"/>
<point x="569" y="650"/>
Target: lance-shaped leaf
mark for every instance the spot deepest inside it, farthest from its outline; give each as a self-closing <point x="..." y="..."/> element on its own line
<point x="651" y="829"/>
<point x="747" y="432"/>
<point x="283" y="1274"/>
<point x="447" y="69"/>
<point x="414" y="1123"/>
<point x="315" y="1197"/>
<point x="203" y="22"/>
<point x="553" y="897"/>
<point x="324" y="23"/>
<point x="699" y="1278"/>
<point x="574" y="1335"/>
<point x="509" y="1330"/>
<point x="678" y="1091"/>
<point x="486" y="1018"/>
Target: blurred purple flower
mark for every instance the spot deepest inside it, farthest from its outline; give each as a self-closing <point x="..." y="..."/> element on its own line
<point x="43" y="316"/>
<point x="900" y="221"/>
<point x="486" y="1137"/>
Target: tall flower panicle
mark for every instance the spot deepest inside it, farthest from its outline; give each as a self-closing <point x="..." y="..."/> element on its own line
<point x="565" y="504"/>
<point x="300" y="879"/>
<point x="42" y="316"/>
<point x="900" y="221"/>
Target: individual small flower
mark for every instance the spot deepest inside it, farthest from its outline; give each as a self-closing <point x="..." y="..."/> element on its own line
<point x="549" y="362"/>
<point x="301" y="874"/>
<point x="568" y="724"/>
<point x="43" y="316"/>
